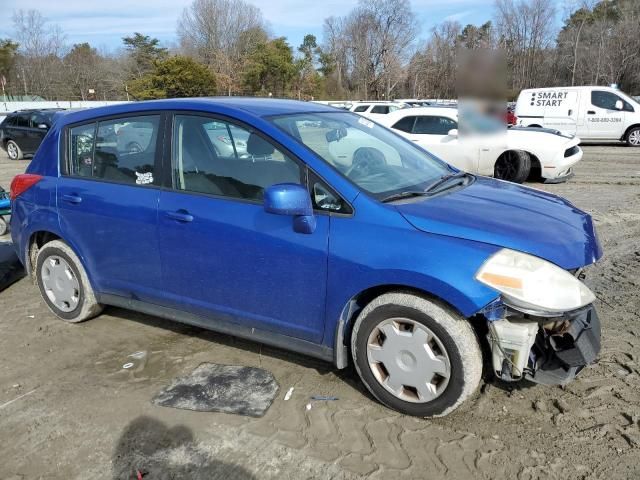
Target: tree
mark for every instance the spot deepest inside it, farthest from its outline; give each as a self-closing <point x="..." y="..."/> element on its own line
<point x="307" y="78"/>
<point x="369" y="45"/>
<point x="8" y="51"/>
<point x="270" y="67"/>
<point x="143" y="51"/>
<point x="222" y="34"/>
<point x="174" y="77"/>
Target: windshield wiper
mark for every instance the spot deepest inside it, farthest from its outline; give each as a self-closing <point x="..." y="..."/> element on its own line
<point x="445" y="179"/>
<point x="401" y="195"/>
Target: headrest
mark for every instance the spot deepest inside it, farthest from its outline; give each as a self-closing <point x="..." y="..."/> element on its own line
<point x="258" y="147"/>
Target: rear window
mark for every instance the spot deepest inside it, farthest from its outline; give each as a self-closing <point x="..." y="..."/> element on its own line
<point x="361" y="108"/>
<point x="121" y="150"/>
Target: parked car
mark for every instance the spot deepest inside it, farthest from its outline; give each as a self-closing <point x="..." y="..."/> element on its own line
<point x="376" y="109"/>
<point x="592" y="113"/>
<point x="403" y="266"/>
<point x="489" y="149"/>
<point x="21" y="132"/>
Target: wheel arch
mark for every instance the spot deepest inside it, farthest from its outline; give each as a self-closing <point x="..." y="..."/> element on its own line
<point x="358" y="302"/>
<point x="629" y="128"/>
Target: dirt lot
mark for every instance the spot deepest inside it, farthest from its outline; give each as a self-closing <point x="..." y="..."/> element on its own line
<point x="69" y="410"/>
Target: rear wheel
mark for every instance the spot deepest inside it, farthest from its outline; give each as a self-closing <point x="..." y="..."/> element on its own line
<point x="64" y="284"/>
<point x="633" y="137"/>
<point x="416" y="356"/>
<point x="513" y="166"/>
<point x="13" y="150"/>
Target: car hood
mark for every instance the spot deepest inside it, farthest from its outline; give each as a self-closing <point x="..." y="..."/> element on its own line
<point x="510" y="216"/>
<point x="536" y="136"/>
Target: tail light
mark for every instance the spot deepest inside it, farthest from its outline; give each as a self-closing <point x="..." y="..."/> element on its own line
<point x="21" y="183"/>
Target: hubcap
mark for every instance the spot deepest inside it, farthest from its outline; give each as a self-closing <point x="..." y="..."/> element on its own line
<point x="505" y="168"/>
<point x="634" y="137"/>
<point x="12" y="150"/>
<point x="408" y="360"/>
<point x="60" y="283"/>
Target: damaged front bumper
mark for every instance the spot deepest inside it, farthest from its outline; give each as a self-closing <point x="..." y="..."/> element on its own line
<point x="547" y="350"/>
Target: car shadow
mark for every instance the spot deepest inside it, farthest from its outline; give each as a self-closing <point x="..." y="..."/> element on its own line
<point x="147" y="448"/>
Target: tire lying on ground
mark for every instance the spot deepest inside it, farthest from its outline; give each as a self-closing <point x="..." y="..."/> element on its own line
<point x="416" y="355"/>
<point x="64" y="284"/>
<point x="513" y="166"/>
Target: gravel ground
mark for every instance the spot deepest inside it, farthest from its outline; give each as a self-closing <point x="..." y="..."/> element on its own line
<point x="69" y="410"/>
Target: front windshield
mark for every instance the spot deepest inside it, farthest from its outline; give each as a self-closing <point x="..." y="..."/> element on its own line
<point x="372" y="157"/>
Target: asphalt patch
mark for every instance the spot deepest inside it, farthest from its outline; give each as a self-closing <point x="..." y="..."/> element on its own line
<point x="11" y="270"/>
<point x="211" y="387"/>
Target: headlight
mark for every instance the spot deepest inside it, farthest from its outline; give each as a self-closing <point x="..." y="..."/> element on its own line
<point x="533" y="285"/>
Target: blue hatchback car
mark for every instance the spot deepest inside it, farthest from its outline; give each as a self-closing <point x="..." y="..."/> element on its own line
<point x="321" y="232"/>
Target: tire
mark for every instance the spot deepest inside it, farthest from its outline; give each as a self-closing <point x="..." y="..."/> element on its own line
<point x="451" y="348"/>
<point x="70" y="297"/>
<point x="633" y="137"/>
<point x="4" y="228"/>
<point x="513" y="166"/>
<point x="13" y="151"/>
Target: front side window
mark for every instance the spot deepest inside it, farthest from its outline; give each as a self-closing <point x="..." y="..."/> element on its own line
<point x="428" y="125"/>
<point x="219" y="158"/>
<point x="121" y="150"/>
<point x="607" y="100"/>
<point x="371" y="156"/>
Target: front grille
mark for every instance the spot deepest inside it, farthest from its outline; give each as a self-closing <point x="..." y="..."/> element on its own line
<point x="571" y="151"/>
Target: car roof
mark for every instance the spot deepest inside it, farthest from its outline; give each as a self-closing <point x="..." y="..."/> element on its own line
<point x="256" y="107"/>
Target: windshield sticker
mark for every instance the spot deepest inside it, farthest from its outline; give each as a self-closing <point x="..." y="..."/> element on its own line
<point x="144" y="178"/>
<point x="365" y="122"/>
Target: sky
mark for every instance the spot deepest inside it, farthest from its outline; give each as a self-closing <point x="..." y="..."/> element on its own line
<point x="104" y="23"/>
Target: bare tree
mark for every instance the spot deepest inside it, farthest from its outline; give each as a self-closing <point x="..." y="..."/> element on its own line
<point x="221" y="33"/>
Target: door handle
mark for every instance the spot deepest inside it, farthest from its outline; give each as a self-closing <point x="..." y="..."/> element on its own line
<point x="180" y="216"/>
<point x="72" y="198"/>
<point x="591" y="112"/>
<point x="570" y="112"/>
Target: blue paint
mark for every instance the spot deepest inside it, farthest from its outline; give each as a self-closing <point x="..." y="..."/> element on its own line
<point x="281" y="266"/>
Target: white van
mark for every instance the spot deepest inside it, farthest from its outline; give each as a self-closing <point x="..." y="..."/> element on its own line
<point x="592" y="113"/>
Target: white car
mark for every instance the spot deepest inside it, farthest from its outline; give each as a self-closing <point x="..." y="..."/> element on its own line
<point x="490" y="149"/>
<point x="376" y="110"/>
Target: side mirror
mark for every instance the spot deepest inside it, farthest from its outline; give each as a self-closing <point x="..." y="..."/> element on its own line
<point x="293" y="200"/>
<point x="453" y="132"/>
<point x="619" y="105"/>
<point x="43" y="126"/>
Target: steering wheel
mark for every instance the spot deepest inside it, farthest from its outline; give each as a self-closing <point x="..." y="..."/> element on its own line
<point x="365" y="161"/>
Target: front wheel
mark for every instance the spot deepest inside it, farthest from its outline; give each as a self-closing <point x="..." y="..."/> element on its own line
<point x="416" y="356"/>
<point x="513" y="166"/>
<point x="64" y="284"/>
<point x="633" y="137"/>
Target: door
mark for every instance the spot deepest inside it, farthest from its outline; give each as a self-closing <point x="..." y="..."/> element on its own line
<point x="222" y="255"/>
<point x="561" y="110"/>
<point x="604" y="120"/>
<point x="39" y="127"/>
<point x="20" y="132"/>
<point x="107" y="205"/>
<point x="432" y="133"/>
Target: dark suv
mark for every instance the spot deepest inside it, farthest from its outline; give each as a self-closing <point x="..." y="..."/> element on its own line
<point x="22" y="131"/>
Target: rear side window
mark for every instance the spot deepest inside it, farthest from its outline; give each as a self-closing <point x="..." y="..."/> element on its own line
<point x="361" y="108"/>
<point x="220" y="158"/>
<point x="22" y="121"/>
<point x="607" y="100"/>
<point x="121" y="150"/>
<point x="384" y="109"/>
<point x="434" y="125"/>
<point x="405" y="124"/>
<point x="10" y="121"/>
